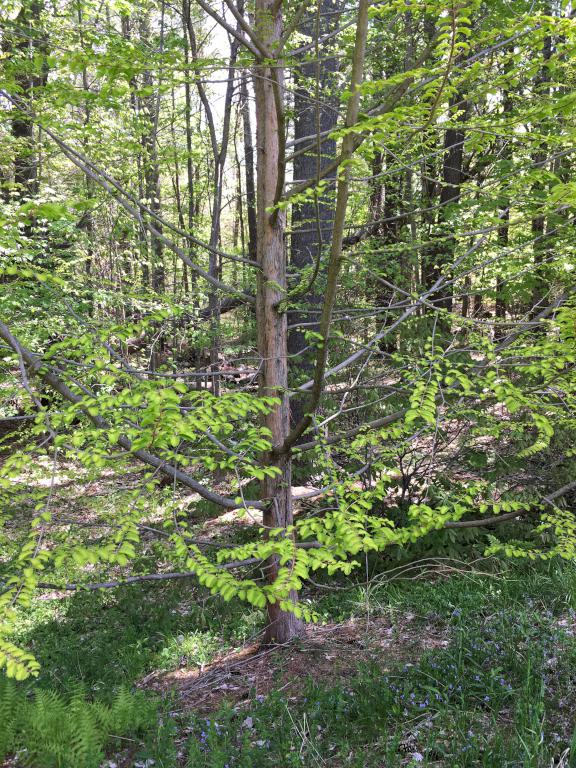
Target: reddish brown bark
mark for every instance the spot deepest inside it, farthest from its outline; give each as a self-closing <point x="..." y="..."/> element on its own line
<point x="271" y="320"/>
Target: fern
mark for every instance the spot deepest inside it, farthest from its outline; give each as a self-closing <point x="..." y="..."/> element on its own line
<point x="9" y="711"/>
<point x="130" y="712"/>
<point x="88" y="739"/>
<point x="51" y="731"/>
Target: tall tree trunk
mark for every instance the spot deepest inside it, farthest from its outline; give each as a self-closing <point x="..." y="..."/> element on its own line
<point x="86" y="223"/>
<point x="500" y="303"/>
<point x="248" y="168"/>
<point x="504" y="228"/>
<point x="541" y="243"/>
<point x="271" y="321"/>
<point x="316" y="114"/>
<point x="150" y="106"/>
<point x="126" y="27"/>
<point x="23" y="38"/>
<point x="441" y="253"/>
<point x="189" y="161"/>
<point x="219" y="155"/>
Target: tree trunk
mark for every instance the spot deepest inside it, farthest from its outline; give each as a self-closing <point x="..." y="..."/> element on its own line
<point x="126" y="28"/>
<point x="26" y="39"/>
<point x="500" y="303"/>
<point x="316" y="113"/>
<point x="272" y="323"/>
<point x="249" y="168"/>
<point x="150" y="105"/>
<point x="541" y="243"/>
<point x="189" y="162"/>
<point x="86" y="223"/>
<point x="442" y="253"/>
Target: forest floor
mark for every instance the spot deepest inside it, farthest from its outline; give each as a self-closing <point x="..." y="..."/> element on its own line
<point x="434" y="663"/>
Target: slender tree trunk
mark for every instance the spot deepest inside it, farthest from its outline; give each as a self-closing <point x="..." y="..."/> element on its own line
<point x="189" y="161"/>
<point x="150" y="106"/>
<point x="466" y="296"/>
<point x="87" y="221"/>
<point x="248" y="168"/>
<point x="376" y="188"/>
<point x="126" y="26"/>
<point x="271" y="321"/>
<point x="541" y="242"/>
<point x="219" y="155"/>
<point x="500" y="303"/>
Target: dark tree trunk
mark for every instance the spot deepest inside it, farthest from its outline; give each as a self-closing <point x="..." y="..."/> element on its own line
<point x="500" y="303"/>
<point x="541" y="243"/>
<point x="24" y="39"/>
<point x="441" y="252"/>
<point x="248" y="168"/>
<point x="316" y="114"/>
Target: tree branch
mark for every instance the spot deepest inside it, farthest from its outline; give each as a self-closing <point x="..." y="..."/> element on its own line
<point x="37" y="367"/>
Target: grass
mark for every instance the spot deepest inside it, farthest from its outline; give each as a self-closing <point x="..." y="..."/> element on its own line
<point x="499" y="691"/>
<point x="110" y="638"/>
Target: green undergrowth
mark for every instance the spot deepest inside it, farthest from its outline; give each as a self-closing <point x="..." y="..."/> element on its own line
<point x="112" y="637"/>
<point x="500" y="690"/>
<point x="46" y="728"/>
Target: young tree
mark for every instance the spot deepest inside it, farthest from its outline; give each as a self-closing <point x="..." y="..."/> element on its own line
<point x="398" y="440"/>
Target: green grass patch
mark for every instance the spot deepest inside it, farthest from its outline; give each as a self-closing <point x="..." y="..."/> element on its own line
<point x="501" y="691"/>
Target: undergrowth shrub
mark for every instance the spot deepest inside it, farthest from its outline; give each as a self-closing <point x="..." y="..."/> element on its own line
<point x="48" y="730"/>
